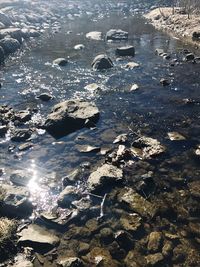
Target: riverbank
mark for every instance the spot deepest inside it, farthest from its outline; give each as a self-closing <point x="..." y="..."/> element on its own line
<point x="177" y="24"/>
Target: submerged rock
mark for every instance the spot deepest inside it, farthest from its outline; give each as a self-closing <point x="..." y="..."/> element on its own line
<point x="154" y="259"/>
<point x="164" y="82"/>
<point x="93" y="87"/>
<point x="104" y="176"/>
<point x="131" y="222"/>
<point x="15" y="202"/>
<point x="38" y="238"/>
<point x="101" y="62"/>
<point x="116" y="34"/>
<point x="67" y="196"/>
<point x="194" y="188"/>
<point x="136" y="202"/>
<point x="3" y="130"/>
<point x="69" y="116"/>
<point x="5" y="19"/>
<point x="45" y="97"/>
<point x="9" y="45"/>
<point x="23" y="115"/>
<point x="125" y="51"/>
<point x="20" y="178"/>
<point x="21" y="135"/>
<point x="60" y="62"/>
<point x="154" y="243"/>
<point x="189" y="57"/>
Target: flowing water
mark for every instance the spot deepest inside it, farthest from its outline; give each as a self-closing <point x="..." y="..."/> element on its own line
<point x="152" y="110"/>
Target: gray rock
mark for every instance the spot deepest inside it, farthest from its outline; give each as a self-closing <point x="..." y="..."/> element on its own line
<point x="94" y="35"/>
<point x="164" y="82"/>
<point x="60" y="62"/>
<point x="23" y="115"/>
<point x="38" y="238"/>
<point x="125" y="51"/>
<point x="2" y="55"/>
<point x="101" y="62"/>
<point x="5" y="19"/>
<point x="116" y="34"/>
<point x="159" y="51"/>
<point x="9" y="45"/>
<point x="79" y="47"/>
<point x="45" y="97"/>
<point x="103" y="176"/>
<point x="15" y="202"/>
<point x="67" y="196"/>
<point x="69" y="116"/>
<point x="14" y="33"/>
<point x="3" y="130"/>
<point x="25" y="146"/>
<point x="72" y="177"/>
<point x="20" y="178"/>
<point x="189" y="57"/>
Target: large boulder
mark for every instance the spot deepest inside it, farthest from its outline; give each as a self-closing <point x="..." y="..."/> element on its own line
<point x="14" y="33"/>
<point x="69" y="116"/>
<point x="125" y="51"/>
<point x="104" y="176"/>
<point x="9" y="45"/>
<point x="5" y="19"/>
<point x="101" y="62"/>
<point x="116" y="34"/>
<point x="14" y="201"/>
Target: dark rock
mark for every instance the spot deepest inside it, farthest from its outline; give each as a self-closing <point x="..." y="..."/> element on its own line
<point x="5" y="19"/>
<point x="39" y="238"/>
<point x="69" y="116"/>
<point x="124" y="239"/>
<point x="196" y="35"/>
<point x="104" y="176"/>
<point x="21" y="135"/>
<point x="14" y="33"/>
<point x="106" y="235"/>
<point x="45" y="97"/>
<point x="9" y="45"/>
<point x="2" y="55"/>
<point x="125" y="51"/>
<point x="15" y="201"/>
<point x="164" y="82"/>
<point x="3" y="130"/>
<point x="67" y="196"/>
<point x="131" y="222"/>
<point x="116" y="34"/>
<point x="60" y="62"/>
<point x="71" y="178"/>
<point x="189" y="57"/>
<point x="194" y="188"/>
<point x="159" y="51"/>
<point x="101" y="62"/>
<point x="23" y="116"/>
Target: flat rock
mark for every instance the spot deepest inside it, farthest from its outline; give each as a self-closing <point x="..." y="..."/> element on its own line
<point x="103" y="176"/>
<point x="154" y="259"/>
<point x="9" y="45"/>
<point x="60" y="62"/>
<point x="14" y="33"/>
<point x="116" y="34"/>
<point x="93" y="87"/>
<point x="15" y="201"/>
<point x="131" y="65"/>
<point x="94" y="35"/>
<point x="175" y="136"/>
<point x="87" y="148"/>
<point x="125" y="51"/>
<point x="147" y="147"/>
<point x="136" y="202"/>
<point x="23" y="115"/>
<point x="45" y="97"/>
<point x="102" y="62"/>
<point x="38" y="238"/>
<point x="69" y="116"/>
<point x="20" y="178"/>
<point x="25" y="146"/>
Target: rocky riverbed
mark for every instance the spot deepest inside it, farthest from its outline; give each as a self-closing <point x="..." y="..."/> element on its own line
<point x="99" y="138"/>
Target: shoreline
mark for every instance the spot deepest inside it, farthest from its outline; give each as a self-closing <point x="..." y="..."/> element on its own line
<point x="177" y="25"/>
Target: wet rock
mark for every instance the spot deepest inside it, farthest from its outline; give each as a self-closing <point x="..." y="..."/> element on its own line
<point x="2" y="55"/>
<point x="87" y="148"/>
<point x="101" y="62"/>
<point x="164" y="82"/>
<point x="167" y="249"/>
<point x="179" y="254"/>
<point x="122" y="138"/>
<point x="69" y="116"/>
<point x="104" y="176"/>
<point x="146" y="148"/>
<point x="106" y="235"/>
<point x="15" y="201"/>
<point x="125" y="51"/>
<point x="20" y="178"/>
<point x="196" y="35"/>
<point x="3" y="130"/>
<point x="14" y="33"/>
<point x="21" y="135"/>
<point x="71" y="262"/>
<point x="131" y="222"/>
<point x="116" y="34"/>
<point x="189" y="57"/>
<point x="39" y="238"/>
<point x="93" y="87"/>
<point x="9" y="45"/>
<point x="27" y="33"/>
<point x="159" y="51"/>
<point x="60" y="62"/>
<point x="5" y="19"/>
<point x="79" y="47"/>
<point x="194" y="228"/>
<point x="23" y="115"/>
<point x="154" y="259"/>
<point x="131" y="65"/>
<point x="136" y="203"/>
<point x="25" y="146"/>
<point x="132" y="258"/>
<point x="67" y="196"/>
<point x="175" y="136"/>
<point x="24" y="263"/>
<point x="194" y="188"/>
<point x="100" y="257"/>
<point x="154" y="242"/>
<point x="94" y="35"/>
<point x="124" y="239"/>
<point x="83" y="248"/>
<point x="45" y="97"/>
<point x="72" y="177"/>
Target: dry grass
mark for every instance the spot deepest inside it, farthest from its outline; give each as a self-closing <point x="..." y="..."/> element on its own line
<point x="7" y="228"/>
